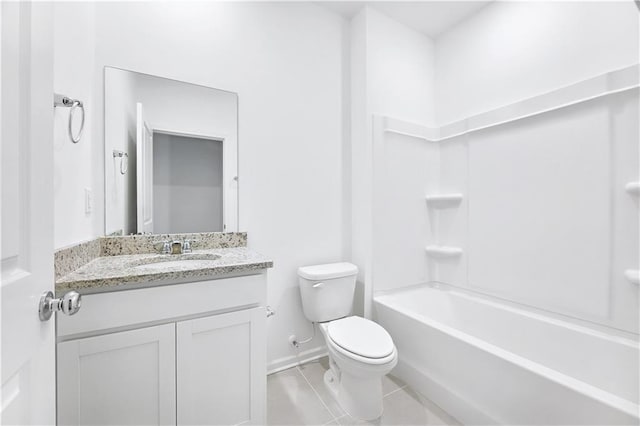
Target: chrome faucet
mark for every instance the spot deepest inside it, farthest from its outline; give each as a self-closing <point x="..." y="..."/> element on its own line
<point x="176" y="247"/>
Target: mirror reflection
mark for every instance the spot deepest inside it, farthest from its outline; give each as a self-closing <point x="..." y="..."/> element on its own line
<point x="171" y="156"/>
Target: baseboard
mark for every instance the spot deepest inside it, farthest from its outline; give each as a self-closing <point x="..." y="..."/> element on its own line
<point x="445" y="398"/>
<point x="293" y="360"/>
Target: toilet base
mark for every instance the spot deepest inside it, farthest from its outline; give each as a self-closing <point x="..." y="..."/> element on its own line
<point x="360" y="398"/>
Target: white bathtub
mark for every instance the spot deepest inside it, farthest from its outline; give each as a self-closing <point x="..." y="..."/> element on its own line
<point x="489" y="362"/>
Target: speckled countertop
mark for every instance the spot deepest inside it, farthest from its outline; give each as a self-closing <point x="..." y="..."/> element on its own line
<point x="117" y="272"/>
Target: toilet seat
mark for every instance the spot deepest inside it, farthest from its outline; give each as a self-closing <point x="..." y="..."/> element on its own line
<point x="361" y="340"/>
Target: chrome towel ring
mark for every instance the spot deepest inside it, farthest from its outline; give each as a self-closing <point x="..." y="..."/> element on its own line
<point x="65" y="101"/>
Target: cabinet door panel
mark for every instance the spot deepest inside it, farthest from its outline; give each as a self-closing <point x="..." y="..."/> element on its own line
<point x="221" y="369"/>
<point x="125" y="378"/>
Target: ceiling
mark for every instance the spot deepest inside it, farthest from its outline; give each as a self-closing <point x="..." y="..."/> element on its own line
<point x="428" y="17"/>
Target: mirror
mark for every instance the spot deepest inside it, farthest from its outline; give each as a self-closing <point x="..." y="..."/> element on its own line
<point x="171" y="159"/>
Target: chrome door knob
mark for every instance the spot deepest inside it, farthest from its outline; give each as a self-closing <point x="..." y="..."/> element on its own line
<point x="68" y="304"/>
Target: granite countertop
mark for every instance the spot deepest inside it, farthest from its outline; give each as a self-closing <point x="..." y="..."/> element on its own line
<point x="110" y="273"/>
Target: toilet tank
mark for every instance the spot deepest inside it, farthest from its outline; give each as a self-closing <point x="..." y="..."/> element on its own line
<point x="327" y="290"/>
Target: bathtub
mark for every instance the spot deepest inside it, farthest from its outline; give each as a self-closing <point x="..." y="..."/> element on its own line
<point x="491" y="362"/>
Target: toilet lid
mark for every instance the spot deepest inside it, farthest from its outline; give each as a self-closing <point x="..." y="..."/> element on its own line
<point x="361" y="337"/>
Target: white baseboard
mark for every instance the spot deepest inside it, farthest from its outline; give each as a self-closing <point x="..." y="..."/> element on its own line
<point x="449" y="401"/>
<point x="293" y="360"/>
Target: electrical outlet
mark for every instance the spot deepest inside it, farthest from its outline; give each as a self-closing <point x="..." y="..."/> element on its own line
<point x="88" y="201"/>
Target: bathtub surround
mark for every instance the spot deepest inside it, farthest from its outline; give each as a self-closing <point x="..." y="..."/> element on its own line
<point x="596" y="117"/>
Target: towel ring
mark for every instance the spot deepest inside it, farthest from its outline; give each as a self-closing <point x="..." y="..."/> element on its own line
<point x="74" y="104"/>
<point x="124" y="160"/>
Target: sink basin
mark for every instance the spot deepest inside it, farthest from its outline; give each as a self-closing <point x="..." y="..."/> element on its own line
<point x="176" y="264"/>
<point x="173" y="262"/>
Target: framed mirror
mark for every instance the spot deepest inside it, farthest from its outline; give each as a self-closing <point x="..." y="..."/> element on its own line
<point x="171" y="156"/>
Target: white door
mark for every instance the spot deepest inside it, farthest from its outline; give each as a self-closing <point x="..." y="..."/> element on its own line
<point x="221" y="369"/>
<point x="26" y="120"/>
<point x="144" y="173"/>
<point x="125" y="378"/>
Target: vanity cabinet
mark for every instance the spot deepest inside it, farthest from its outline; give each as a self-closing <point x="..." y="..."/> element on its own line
<point x="199" y="361"/>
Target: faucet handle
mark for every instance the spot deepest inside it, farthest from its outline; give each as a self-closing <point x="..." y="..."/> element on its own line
<point x="166" y="247"/>
<point x="186" y="246"/>
<point x="163" y="247"/>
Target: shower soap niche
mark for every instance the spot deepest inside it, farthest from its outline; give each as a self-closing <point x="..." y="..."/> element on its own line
<point x="633" y="275"/>
<point x="443" y="251"/>
<point x="633" y="188"/>
<point x="443" y="200"/>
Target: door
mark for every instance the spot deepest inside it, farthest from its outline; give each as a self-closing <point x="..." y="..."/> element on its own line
<point x="125" y="378"/>
<point x="26" y="175"/>
<point x="221" y="369"/>
<point x="144" y="173"/>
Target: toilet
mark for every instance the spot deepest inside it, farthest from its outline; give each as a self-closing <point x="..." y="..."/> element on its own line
<point x="360" y="351"/>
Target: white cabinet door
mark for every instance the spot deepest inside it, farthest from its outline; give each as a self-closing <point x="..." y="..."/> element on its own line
<point x="221" y="366"/>
<point x="125" y="378"/>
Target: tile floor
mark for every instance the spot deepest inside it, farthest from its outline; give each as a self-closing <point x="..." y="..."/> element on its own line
<point x="298" y="396"/>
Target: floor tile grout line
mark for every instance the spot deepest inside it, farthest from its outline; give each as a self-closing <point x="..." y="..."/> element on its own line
<point x="394" y="391"/>
<point x="317" y="394"/>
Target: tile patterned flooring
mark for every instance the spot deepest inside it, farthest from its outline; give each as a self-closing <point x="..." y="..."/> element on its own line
<point x="298" y="396"/>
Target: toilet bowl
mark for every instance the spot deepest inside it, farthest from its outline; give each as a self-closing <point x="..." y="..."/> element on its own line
<point x="360" y="350"/>
<point x="360" y="353"/>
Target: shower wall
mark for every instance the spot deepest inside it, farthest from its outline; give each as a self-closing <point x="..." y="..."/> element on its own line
<point x="546" y="220"/>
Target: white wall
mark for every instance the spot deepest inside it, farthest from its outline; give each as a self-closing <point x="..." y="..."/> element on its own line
<point x="286" y="63"/>
<point x="75" y="164"/>
<point x="187" y="184"/>
<point x="511" y="51"/>
<point x="400" y="70"/>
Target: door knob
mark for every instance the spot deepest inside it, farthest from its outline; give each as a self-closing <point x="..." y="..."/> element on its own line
<point x="68" y="304"/>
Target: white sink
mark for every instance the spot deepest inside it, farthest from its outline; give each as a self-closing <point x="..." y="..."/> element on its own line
<point x="179" y="262"/>
<point x="176" y="264"/>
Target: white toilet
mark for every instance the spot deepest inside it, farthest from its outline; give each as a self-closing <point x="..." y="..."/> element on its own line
<point x="360" y="351"/>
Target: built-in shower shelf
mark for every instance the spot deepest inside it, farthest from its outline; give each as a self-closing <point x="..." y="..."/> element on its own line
<point x="443" y="251"/>
<point x="633" y="188"/>
<point x="443" y="200"/>
<point x="633" y="275"/>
